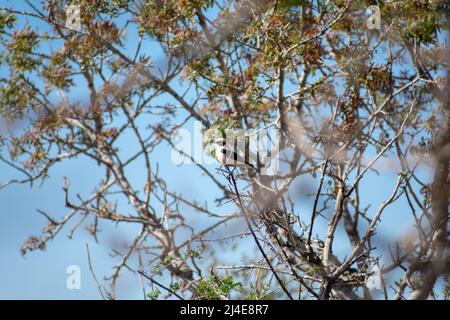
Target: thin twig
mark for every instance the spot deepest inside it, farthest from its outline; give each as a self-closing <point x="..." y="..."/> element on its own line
<point x="247" y="220"/>
<point x="99" y="287"/>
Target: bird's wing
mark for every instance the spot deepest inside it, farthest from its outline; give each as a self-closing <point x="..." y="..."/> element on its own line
<point x="232" y="158"/>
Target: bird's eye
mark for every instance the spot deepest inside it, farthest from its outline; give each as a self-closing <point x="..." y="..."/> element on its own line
<point x="223" y="151"/>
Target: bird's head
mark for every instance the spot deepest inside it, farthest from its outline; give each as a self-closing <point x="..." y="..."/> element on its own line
<point x="219" y="142"/>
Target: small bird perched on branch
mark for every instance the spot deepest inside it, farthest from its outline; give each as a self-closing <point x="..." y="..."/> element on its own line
<point x="231" y="155"/>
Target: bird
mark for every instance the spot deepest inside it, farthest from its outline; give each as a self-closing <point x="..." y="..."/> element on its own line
<point x="233" y="157"/>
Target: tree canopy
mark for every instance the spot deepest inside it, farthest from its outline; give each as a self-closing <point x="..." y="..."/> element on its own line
<point x="348" y="102"/>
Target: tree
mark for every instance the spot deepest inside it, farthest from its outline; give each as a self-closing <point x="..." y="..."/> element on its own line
<point x="347" y="102"/>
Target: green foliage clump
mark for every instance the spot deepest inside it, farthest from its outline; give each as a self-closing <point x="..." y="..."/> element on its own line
<point x="7" y="21"/>
<point x="57" y="72"/>
<point x="154" y="294"/>
<point x="15" y="97"/>
<point x="217" y="288"/>
<point x="418" y="21"/>
<point x="20" y="48"/>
